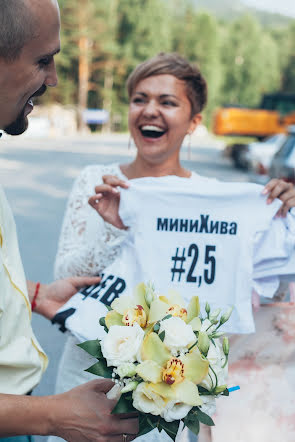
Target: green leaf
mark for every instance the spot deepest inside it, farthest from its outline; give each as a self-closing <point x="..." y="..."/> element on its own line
<point x="156" y="327"/>
<point x="162" y="335"/>
<point x="171" y="428"/>
<point x="144" y="424"/>
<point x="167" y="317"/>
<point x="102" y="322"/>
<point x="148" y="422"/>
<point x="123" y="406"/>
<point x="109" y="308"/>
<point x="196" y="413"/>
<point x="101" y="369"/>
<point x="204" y="392"/>
<point x="152" y="420"/>
<point x="193" y="425"/>
<point x="92" y="347"/>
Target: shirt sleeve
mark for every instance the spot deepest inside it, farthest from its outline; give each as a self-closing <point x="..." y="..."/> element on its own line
<point x="274" y="255"/>
<point x="87" y="244"/>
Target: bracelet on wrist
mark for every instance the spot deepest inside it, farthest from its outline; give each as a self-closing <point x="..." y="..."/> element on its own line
<point x="34" y="303"/>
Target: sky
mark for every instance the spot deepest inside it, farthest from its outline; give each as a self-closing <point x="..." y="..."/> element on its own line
<point x="286" y="7"/>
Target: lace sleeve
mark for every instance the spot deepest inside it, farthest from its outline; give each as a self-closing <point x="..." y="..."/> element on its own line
<point x="87" y="244"/>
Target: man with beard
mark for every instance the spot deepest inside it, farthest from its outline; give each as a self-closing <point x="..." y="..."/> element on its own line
<point x="29" y="40"/>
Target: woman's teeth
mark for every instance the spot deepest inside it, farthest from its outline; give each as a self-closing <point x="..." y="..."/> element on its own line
<point x="151" y="131"/>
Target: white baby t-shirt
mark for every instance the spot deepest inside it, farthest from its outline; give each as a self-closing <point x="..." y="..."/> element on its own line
<point x="198" y="236"/>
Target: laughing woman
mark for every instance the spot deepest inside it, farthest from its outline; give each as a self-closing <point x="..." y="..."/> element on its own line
<point x="167" y="95"/>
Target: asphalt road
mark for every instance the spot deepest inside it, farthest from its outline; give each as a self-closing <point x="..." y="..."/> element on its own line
<point x="37" y="175"/>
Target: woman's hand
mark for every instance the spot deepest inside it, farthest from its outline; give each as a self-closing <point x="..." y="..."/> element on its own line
<point x="52" y="297"/>
<point x="284" y="191"/>
<point x="107" y="198"/>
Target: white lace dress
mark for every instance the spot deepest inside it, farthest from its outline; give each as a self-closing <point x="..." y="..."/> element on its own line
<point x="87" y="245"/>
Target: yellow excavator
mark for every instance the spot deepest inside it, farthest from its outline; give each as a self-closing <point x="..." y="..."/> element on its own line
<point x="276" y="112"/>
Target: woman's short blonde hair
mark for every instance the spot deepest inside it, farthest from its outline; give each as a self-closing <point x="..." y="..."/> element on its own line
<point x="173" y="64"/>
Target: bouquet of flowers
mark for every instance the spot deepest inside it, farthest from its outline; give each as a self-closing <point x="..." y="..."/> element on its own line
<point x="168" y="363"/>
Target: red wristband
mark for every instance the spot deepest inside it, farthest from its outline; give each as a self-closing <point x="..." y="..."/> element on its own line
<point x="35" y="296"/>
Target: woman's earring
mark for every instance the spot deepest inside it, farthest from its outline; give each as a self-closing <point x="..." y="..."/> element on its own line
<point x="189" y="146"/>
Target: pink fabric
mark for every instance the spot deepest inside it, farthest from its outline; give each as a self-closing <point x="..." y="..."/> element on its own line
<point x="263" y="364"/>
<point x="292" y="292"/>
<point x="255" y="301"/>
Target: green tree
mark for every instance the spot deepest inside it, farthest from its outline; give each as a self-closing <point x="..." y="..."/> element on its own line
<point x="288" y="78"/>
<point x="199" y="41"/>
<point x="102" y="42"/>
<point x="241" y="59"/>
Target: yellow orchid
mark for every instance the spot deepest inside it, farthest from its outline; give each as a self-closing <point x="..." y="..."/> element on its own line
<point x="174" y="372"/>
<point x="173" y="378"/>
<point x="129" y="310"/>
<point x="135" y="315"/>
<point x="174" y="305"/>
<point x="150" y="371"/>
<point x="146" y="308"/>
<point x="186" y="392"/>
<point x="176" y="310"/>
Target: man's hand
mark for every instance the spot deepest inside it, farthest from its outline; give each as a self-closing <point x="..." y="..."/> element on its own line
<point x="53" y="296"/>
<point x="282" y="190"/>
<point x="107" y="198"/>
<point x="84" y="414"/>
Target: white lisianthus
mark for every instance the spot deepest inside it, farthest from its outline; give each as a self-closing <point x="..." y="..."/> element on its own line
<point x="147" y="401"/>
<point x="122" y="344"/>
<point x="131" y="386"/>
<point x="175" y="411"/>
<point x="150" y="294"/>
<point x="207" y="326"/>
<point x="126" y="370"/>
<point x="209" y="405"/>
<point x="178" y="335"/>
<point x="216" y="358"/>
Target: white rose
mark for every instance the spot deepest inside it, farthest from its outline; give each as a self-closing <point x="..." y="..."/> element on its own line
<point x="122" y="344"/>
<point x="147" y="401"/>
<point x="178" y="334"/>
<point x="175" y="411"/>
<point x="216" y="358"/>
<point x="209" y="405"/>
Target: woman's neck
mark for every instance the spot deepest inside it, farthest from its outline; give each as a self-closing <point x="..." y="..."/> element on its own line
<point x="140" y="168"/>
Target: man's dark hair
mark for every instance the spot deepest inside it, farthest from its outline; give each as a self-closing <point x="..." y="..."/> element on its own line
<point x="16" y="28"/>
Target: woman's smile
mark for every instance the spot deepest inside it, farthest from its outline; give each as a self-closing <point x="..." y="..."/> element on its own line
<point x="151" y="131"/>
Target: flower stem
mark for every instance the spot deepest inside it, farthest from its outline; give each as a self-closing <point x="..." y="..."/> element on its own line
<point x="216" y="380"/>
<point x="226" y="359"/>
<point x="193" y="346"/>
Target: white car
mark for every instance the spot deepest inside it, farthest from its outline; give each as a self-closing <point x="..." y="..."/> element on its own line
<point x="259" y="154"/>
